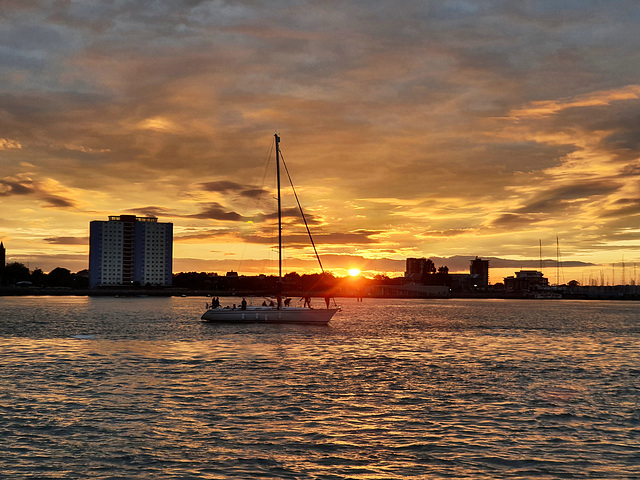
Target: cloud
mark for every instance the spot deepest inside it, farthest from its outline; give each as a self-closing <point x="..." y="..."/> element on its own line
<point x="226" y="186"/>
<point x="560" y="197"/>
<point x="67" y="240"/>
<point x="358" y="237"/>
<point x="489" y="125"/>
<point x="58" y="202"/>
<point x="622" y="208"/>
<point x="20" y="185"/>
<point x="215" y="211"/>
<point x="153" y="211"/>
<point x="454" y="232"/>
<point x="7" y="144"/>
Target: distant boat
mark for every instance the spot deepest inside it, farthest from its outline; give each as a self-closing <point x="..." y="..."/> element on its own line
<point x="278" y="313"/>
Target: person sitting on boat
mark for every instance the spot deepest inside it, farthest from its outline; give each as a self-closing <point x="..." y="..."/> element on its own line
<point x="287" y="301"/>
<point x="264" y="303"/>
<point x="243" y="304"/>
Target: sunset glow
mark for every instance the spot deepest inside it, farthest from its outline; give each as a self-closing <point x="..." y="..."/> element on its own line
<point x="439" y="129"/>
<point x="354" y="272"/>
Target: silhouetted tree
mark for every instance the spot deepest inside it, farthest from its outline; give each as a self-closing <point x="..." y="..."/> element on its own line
<point x="440" y="278"/>
<point x="429" y="270"/>
<point x="60" y="277"/>
<point x="38" y="278"/>
<point x="81" y="279"/>
<point x="16" y="272"/>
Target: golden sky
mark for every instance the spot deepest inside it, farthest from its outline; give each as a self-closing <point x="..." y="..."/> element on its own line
<point x="442" y="129"/>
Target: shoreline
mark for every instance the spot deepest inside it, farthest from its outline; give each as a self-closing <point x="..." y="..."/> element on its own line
<point x="604" y="293"/>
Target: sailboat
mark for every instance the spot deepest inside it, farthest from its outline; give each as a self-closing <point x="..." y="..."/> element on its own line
<point x="278" y="313"/>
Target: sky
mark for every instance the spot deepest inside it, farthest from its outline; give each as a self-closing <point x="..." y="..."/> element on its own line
<point x="440" y="129"/>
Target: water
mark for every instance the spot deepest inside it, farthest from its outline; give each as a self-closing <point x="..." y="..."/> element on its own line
<point x="108" y="388"/>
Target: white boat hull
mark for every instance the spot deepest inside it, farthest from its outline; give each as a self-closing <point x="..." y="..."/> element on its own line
<point x="312" y="316"/>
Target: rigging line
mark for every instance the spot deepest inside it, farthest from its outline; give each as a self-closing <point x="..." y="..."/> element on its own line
<point x="304" y="219"/>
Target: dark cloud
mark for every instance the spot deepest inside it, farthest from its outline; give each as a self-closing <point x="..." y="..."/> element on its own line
<point x="625" y="139"/>
<point x="222" y="186"/>
<point x="622" y="208"/>
<point x="153" y="211"/>
<point x="67" y="240"/>
<point x="515" y="220"/>
<point x="495" y="262"/>
<point x="12" y="186"/>
<point x="557" y="198"/>
<point x="215" y="211"/>
<point x="289" y="215"/>
<point x="56" y="201"/>
<point x="225" y="186"/>
<point x="558" y="201"/>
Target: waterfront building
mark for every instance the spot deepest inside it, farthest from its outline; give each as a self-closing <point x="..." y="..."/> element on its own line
<point x="127" y="250"/>
<point x="525" y="280"/>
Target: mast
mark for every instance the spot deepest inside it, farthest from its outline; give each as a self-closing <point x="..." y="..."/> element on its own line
<point x="557" y="261"/>
<point x="279" y="292"/>
<point x="540" y="242"/>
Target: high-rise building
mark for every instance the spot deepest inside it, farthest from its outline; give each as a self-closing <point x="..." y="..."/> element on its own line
<point x="479" y="271"/>
<point x="129" y="250"/>
<point x="417" y="268"/>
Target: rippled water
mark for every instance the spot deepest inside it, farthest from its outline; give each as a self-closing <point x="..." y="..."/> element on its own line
<point x="139" y="388"/>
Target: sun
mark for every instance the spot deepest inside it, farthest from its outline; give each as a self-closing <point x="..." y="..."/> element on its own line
<point x="354" y="272"/>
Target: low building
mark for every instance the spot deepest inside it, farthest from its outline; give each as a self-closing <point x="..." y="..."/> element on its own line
<point x="525" y="280"/>
<point x="409" y="291"/>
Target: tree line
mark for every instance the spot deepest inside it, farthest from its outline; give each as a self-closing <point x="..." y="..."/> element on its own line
<point x="16" y="273"/>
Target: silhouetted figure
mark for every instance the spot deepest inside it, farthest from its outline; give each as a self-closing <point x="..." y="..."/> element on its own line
<point x="287" y="302"/>
<point x="307" y="301"/>
<point x="264" y="303"/>
<point x="327" y="300"/>
<point x="243" y="304"/>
